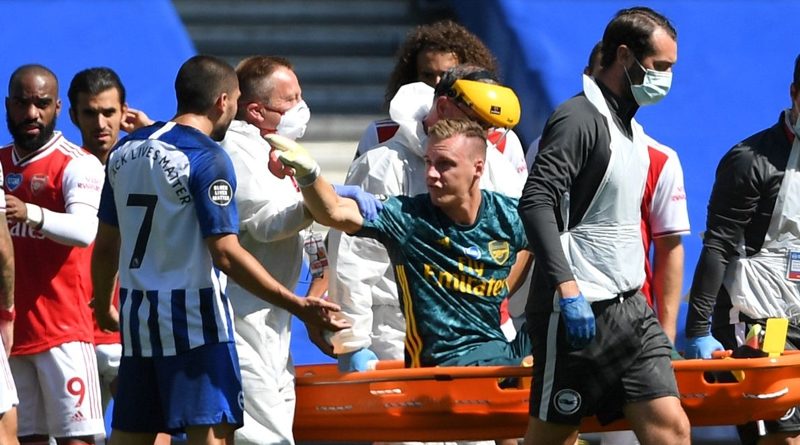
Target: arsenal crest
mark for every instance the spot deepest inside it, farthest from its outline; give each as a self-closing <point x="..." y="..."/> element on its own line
<point x="13" y="181"/>
<point x="38" y="183"/>
<point x="500" y="251"/>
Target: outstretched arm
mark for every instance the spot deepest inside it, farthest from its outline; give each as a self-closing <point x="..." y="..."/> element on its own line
<point x="230" y="257"/>
<point x="319" y="196"/>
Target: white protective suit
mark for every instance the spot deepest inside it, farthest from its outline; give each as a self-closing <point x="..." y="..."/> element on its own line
<point x="271" y="222"/>
<point x="362" y="281"/>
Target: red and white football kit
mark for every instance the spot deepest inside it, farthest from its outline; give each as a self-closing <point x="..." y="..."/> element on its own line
<point x="664" y="211"/>
<point x="53" y="360"/>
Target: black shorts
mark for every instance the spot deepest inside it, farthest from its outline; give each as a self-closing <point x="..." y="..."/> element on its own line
<point x="627" y="361"/>
<point x="750" y="433"/>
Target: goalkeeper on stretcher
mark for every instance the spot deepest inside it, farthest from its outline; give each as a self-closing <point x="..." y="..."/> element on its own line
<point x="456" y="251"/>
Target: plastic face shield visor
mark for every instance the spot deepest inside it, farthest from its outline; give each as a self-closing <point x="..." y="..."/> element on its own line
<point x="495" y="104"/>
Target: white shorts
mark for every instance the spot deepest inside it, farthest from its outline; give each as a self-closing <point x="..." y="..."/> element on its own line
<point x="108" y="357"/>
<point x="59" y="392"/>
<point x="8" y="391"/>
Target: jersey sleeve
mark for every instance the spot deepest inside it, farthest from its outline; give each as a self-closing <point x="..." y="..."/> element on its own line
<point x="669" y="215"/>
<point x="514" y="153"/>
<point x="392" y="224"/>
<point x="212" y="184"/>
<point x="107" y="212"/>
<point x="83" y="181"/>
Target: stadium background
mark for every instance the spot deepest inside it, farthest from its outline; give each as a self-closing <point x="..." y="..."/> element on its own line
<point x="731" y="80"/>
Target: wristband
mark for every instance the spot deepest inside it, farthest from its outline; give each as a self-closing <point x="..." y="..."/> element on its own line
<point x="35" y="217"/>
<point x="8" y="314"/>
<point x="309" y="178"/>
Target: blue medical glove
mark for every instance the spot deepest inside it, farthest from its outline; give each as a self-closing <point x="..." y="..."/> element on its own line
<point x="360" y="360"/>
<point x="578" y="319"/>
<point x="368" y="204"/>
<point x="702" y="347"/>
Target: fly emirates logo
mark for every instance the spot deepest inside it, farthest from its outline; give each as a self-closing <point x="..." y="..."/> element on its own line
<point x="468" y="279"/>
<point x="22" y="230"/>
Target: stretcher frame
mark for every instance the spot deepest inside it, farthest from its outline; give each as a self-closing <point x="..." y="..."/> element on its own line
<point x="394" y="403"/>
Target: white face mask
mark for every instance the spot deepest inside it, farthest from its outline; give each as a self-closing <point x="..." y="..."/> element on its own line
<point x="654" y="87"/>
<point x="294" y="121"/>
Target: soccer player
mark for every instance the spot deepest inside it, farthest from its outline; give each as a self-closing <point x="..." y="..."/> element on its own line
<point x="99" y="110"/>
<point x="169" y="227"/>
<point x="52" y="191"/>
<point x="452" y="249"/>
<point x="362" y="278"/>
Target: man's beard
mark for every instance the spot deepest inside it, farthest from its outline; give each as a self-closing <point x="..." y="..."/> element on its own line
<point x="30" y="143"/>
<point x="219" y="131"/>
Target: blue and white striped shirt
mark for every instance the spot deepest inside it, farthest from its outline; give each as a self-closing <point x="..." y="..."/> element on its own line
<point x="168" y="187"/>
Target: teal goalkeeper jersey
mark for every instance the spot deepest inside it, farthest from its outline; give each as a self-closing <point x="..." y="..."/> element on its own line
<point x="450" y="278"/>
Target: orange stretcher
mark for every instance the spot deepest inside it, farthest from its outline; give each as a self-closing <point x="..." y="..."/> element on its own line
<point x="394" y="403"/>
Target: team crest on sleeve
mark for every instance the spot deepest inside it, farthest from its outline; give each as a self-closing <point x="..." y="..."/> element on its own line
<point x="13" y="181"/>
<point x="220" y="192"/>
<point x="500" y="251"/>
<point x="37" y="183"/>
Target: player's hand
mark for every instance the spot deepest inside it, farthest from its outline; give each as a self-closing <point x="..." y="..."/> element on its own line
<point x="134" y="120"/>
<point x="315" y="311"/>
<point x="108" y="321"/>
<point x="16" y="211"/>
<point x="295" y="156"/>
<point x="578" y="319"/>
<point x="7" y="334"/>
<point x="702" y="347"/>
<point x="368" y="204"/>
<point x="357" y="361"/>
<point x="317" y="336"/>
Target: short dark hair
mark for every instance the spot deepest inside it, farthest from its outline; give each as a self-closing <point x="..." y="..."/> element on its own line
<point x="94" y="81"/>
<point x="634" y="28"/>
<point x="33" y="68"/>
<point x="796" y="78"/>
<point x="199" y="82"/>
<point x="253" y="70"/>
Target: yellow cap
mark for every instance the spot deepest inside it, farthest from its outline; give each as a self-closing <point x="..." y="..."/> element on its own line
<point x="496" y="104"/>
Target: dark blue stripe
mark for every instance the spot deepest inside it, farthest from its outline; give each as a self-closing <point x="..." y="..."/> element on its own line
<point x="226" y="308"/>
<point x="180" y="329"/>
<point x="152" y="324"/>
<point x="123" y="297"/>
<point x="228" y="315"/>
<point x="136" y="341"/>
<point x="210" y="334"/>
